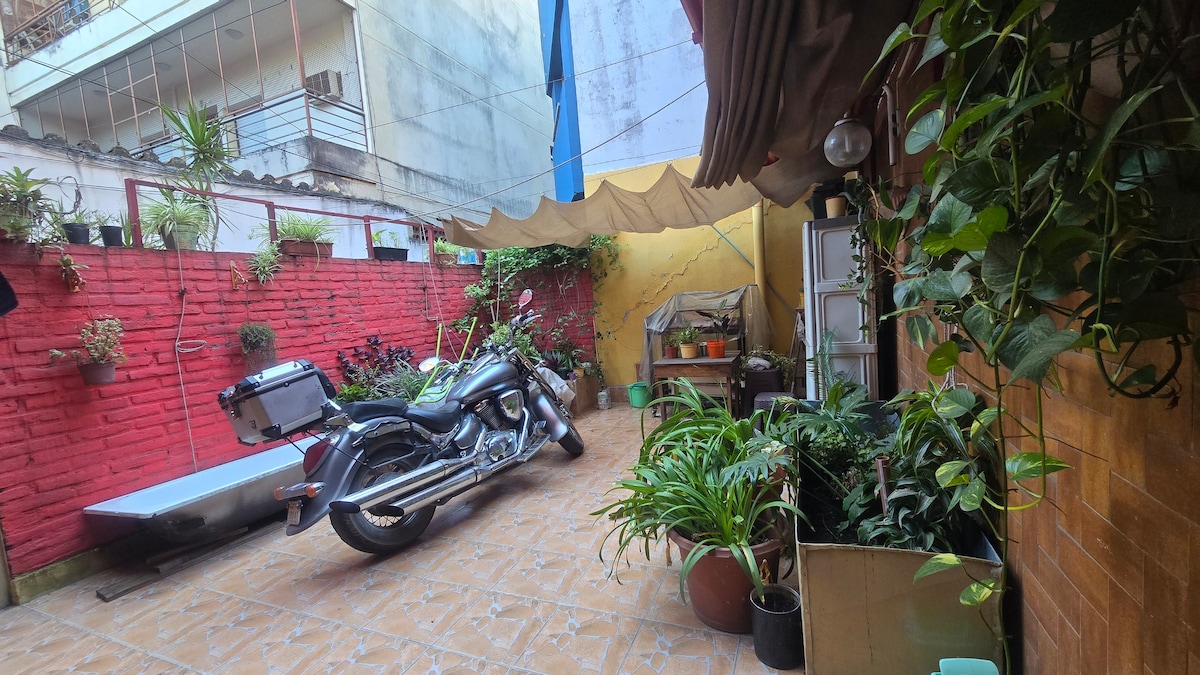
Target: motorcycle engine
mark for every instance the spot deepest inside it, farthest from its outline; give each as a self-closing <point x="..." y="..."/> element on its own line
<point x="500" y="444"/>
<point x="501" y="412"/>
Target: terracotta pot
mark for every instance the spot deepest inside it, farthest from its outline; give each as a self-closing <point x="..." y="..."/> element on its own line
<point x="671" y="352"/>
<point x="718" y="589"/>
<point x="716" y="349"/>
<point x="98" y="373"/>
<point x="319" y="249"/>
<point x="689" y="350"/>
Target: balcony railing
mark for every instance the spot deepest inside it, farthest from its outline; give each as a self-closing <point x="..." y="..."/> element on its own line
<point x="50" y="24"/>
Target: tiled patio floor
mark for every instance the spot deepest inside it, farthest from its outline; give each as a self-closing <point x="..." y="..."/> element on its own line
<point x="506" y="580"/>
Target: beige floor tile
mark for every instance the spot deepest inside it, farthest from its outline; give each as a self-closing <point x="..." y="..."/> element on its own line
<point x="422" y="610"/>
<point x="665" y="649"/>
<point x="576" y="640"/>
<point x="498" y="627"/>
<point x="545" y="575"/>
<point x="628" y="594"/>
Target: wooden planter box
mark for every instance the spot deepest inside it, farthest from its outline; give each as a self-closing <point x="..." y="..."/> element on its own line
<point x="864" y="614"/>
<point x="319" y="249"/>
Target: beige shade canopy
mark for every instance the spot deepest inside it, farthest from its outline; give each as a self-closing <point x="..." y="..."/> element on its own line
<point x="670" y="203"/>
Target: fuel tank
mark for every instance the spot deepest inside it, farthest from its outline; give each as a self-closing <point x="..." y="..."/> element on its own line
<point x="488" y="380"/>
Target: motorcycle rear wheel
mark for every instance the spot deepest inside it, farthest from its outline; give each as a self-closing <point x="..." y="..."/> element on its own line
<point x="572" y="442"/>
<point x="377" y="530"/>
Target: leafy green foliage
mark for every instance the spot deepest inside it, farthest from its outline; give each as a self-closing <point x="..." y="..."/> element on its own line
<point x="706" y="475"/>
<point x="1048" y="222"/>
<point x="553" y="268"/>
<point x="255" y="336"/>
<point x="378" y="371"/>
<point x="265" y="262"/>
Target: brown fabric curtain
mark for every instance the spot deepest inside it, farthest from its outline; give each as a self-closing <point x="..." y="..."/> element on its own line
<point x="779" y="74"/>
<point x="670" y="203"/>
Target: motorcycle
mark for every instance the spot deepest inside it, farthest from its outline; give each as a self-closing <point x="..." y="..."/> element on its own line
<point x="382" y="467"/>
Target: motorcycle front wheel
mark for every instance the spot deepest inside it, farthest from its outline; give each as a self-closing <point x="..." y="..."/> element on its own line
<point x="572" y="442"/>
<point x="378" y="529"/>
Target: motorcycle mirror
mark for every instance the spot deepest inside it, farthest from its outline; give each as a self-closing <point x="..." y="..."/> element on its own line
<point x="526" y="297"/>
<point x="428" y="364"/>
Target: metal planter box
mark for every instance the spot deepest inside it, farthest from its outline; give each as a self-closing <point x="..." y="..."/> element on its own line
<point x="279" y="401"/>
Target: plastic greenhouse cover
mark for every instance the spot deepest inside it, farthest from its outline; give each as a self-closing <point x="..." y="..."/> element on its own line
<point x="681" y="309"/>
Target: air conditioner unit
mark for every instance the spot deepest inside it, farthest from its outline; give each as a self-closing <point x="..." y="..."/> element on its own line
<point x="327" y="83"/>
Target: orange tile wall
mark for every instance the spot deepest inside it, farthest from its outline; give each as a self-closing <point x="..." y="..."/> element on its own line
<point x="1108" y="570"/>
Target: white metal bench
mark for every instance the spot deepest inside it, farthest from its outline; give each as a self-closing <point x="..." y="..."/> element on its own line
<point x="215" y="500"/>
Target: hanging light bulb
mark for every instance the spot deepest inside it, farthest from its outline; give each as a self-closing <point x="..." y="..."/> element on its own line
<point x="848" y="143"/>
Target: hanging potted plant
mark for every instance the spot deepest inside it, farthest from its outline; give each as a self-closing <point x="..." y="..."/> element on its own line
<point x="711" y="485"/>
<point x="102" y="351"/>
<point x="258" y="346"/>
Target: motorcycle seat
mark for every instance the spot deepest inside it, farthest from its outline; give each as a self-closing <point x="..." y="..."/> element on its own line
<point x="438" y="418"/>
<point x="384" y="407"/>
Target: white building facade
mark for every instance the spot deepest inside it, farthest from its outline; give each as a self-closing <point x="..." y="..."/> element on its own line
<point x="436" y="106"/>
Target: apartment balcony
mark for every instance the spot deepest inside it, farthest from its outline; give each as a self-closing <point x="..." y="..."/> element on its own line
<point x="34" y="25"/>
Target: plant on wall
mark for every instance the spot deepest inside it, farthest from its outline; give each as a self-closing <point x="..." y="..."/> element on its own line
<point x="507" y="270"/>
<point x="1056" y="214"/>
<point x="102" y="350"/>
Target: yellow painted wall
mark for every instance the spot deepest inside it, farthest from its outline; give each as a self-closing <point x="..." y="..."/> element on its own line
<point x="656" y="266"/>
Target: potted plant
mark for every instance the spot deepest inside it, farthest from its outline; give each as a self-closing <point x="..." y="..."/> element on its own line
<point x="389" y="245"/>
<point x="687" y="337"/>
<point x="671" y="345"/>
<point x="446" y="253"/>
<point x="69" y="227"/>
<point x="710" y="484"/>
<point x="258" y="346"/>
<point x="111" y="231"/>
<point x="181" y="221"/>
<point x="305" y="235"/>
<point x="723" y="325"/>
<point x="22" y="203"/>
<point x="102" y="351"/>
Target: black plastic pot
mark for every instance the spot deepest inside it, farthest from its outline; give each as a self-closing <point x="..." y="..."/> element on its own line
<point x="777" y="626"/>
<point x="389" y="253"/>
<point x="77" y="233"/>
<point x="112" y="235"/>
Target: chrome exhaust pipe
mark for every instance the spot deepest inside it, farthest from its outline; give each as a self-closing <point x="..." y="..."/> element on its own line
<point x="454" y="484"/>
<point x="393" y="488"/>
<point x="435" y="493"/>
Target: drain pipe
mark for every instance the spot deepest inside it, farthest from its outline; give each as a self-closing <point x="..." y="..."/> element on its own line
<point x="760" y="248"/>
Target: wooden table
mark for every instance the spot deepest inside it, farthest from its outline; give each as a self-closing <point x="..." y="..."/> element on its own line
<point x="698" y="369"/>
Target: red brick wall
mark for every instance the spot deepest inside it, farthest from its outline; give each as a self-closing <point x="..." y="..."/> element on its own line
<point x="64" y="446"/>
<point x="1109" y="567"/>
